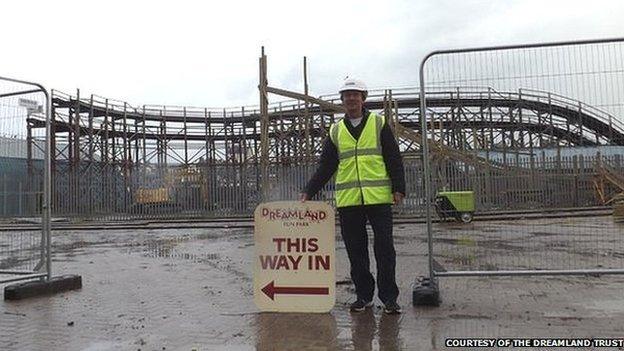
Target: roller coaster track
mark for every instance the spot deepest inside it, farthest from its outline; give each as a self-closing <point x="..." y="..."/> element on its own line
<point x="550" y="114"/>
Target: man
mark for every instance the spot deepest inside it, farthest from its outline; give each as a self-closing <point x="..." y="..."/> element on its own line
<point x="370" y="178"/>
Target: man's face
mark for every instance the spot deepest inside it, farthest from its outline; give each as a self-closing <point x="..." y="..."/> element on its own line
<point x="353" y="100"/>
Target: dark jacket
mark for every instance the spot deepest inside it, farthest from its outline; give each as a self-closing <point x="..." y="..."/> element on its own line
<point x="329" y="159"/>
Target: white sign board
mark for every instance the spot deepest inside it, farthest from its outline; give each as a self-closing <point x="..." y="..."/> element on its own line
<point x="29" y="104"/>
<point x="294" y="264"/>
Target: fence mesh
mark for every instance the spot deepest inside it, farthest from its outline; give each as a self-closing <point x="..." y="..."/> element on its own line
<point x="21" y="178"/>
<point x="541" y="134"/>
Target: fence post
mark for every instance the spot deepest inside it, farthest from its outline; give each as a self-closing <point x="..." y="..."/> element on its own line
<point x="19" y="199"/>
<point x="575" y="166"/>
<point x="4" y="194"/>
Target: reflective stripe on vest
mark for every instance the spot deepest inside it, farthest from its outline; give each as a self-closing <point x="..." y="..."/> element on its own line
<point x="362" y="178"/>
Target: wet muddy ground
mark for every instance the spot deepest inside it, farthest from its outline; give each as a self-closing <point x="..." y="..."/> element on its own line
<point x="185" y="289"/>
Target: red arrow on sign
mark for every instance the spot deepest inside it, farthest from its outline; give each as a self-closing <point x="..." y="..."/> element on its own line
<point x="270" y="290"/>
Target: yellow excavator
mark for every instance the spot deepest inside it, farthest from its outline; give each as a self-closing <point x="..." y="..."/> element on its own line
<point x="170" y="196"/>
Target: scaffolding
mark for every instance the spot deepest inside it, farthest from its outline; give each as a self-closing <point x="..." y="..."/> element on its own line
<point x="108" y="154"/>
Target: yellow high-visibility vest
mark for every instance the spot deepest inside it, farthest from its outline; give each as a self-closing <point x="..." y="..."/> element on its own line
<point x="362" y="178"/>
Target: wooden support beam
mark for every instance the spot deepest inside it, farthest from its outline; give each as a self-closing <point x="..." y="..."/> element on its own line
<point x="328" y="106"/>
<point x="306" y="114"/>
<point x="264" y="126"/>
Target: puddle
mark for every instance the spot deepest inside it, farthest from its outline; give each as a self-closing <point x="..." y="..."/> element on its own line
<point x="544" y="234"/>
<point x="167" y="248"/>
<point x="103" y="346"/>
<point x="468" y="316"/>
<point x="606" y="306"/>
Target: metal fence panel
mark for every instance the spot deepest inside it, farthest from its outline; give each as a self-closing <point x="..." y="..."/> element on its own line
<point x="23" y="254"/>
<point x="517" y="136"/>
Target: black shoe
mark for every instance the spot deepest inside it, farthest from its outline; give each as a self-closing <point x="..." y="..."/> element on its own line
<point x="392" y="308"/>
<point x="360" y="305"/>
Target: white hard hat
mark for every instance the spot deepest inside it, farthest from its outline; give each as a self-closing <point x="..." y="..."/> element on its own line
<point x="353" y="84"/>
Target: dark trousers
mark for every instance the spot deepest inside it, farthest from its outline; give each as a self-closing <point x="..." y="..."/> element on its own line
<point x="353" y="229"/>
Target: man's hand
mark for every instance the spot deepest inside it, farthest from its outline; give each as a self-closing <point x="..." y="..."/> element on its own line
<point x="303" y="197"/>
<point x="398" y="198"/>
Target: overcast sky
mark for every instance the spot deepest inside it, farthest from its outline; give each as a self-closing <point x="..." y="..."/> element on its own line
<point x="205" y="53"/>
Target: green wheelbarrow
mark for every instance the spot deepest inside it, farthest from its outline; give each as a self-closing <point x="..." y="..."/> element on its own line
<point x="456" y="204"/>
